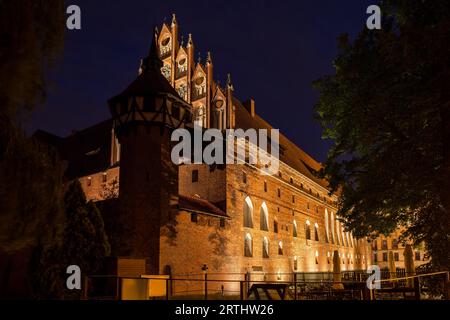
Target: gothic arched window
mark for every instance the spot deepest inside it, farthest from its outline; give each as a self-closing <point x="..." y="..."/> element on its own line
<point x="265" y="247"/>
<point x="327" y="230"/>
<point x="200" y="116"/>
<point x="308" y="230"/>
<point x="280" y="248"/>
<point x="248" y="245"/>
<point x="248" y="213"/>
<point x="294" y="231"/>
<point x="316" y="232"/>
<point x="264" y="217"/>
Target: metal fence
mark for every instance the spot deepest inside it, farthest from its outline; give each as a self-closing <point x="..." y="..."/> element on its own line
<point x="259" y="285"/>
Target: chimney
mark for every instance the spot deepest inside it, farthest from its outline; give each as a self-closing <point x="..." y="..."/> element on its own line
<point x="250" y="106"/>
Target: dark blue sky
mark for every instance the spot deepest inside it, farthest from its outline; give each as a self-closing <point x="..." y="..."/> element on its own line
<point x="273" y="50"/>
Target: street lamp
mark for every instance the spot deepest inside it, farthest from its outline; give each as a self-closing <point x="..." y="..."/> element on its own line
<point x="205" y="269"/>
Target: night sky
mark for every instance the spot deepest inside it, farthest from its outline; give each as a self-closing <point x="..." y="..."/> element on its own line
<point x="273" y="50"/>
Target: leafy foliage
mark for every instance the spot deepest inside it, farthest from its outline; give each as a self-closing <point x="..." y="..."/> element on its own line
<point x="387" y="109"/>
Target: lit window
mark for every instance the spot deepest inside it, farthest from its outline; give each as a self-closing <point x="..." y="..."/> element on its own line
<point x="275" y="226"/>
<point x="264" y="217"/>
<point x="417" y="255"/>
<point x="316" y="232"/>
<point x="280" y="248"/>
<point x="394" y="244"/>
<point x="265" y="247"/>
<point x="248" y="245"/>
<point x="308" y="230"/>
<point x="295" y="229"/>
<point x="295" y="263"/>
<point x="248" y="213"/>
<point x="317" y="257"/>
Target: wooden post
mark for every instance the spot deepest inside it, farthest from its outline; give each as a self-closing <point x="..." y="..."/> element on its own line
<point x="295" y="286"/>
<point x="85" y="288"/>
<point x="118" y="288"/>
<point x="206" y="286"/>
<point x="167" y="288"/>
<point x="417" y="288"/>
<point x="247" y="283"/>
<point x="447" y="286"/>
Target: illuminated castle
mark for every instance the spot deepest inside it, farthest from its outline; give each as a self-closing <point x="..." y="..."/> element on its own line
<point x="229" y="217"/>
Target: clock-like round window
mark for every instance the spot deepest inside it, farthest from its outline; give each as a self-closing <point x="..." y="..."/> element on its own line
<point x="166" y="41"/>
<point x="219" y="104"/>
<point x="199" y="80"/>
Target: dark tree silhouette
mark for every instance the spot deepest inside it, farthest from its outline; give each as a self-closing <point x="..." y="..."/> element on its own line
<point x="387" y="109"/>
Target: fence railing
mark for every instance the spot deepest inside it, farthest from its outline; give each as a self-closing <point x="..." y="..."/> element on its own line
<point x="295" y="286"/>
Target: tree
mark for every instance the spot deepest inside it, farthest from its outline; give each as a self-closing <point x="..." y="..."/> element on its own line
<point x="85" y="242"/>
<point x="387" y="110"/>
<point x="32" y="37"/>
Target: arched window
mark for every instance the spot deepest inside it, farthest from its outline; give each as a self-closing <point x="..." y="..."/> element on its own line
<point x="308" y="230"/>
<point x="316" y="231"/>
<point x="200" y="116"/>
<point x="338" y="233"/>
<point x="295" y="229"/>
<point x="280" y="248"/>
<point x="333" y="237"/>
<point x="248" y="245"/>
<point x="264" y="217"/>
<point x="275" y="225"/>
<point x="327" y="230"/>
<point x="317" y="257"/>
<point x="248" y="213"/>
<point x="265" y="247"/>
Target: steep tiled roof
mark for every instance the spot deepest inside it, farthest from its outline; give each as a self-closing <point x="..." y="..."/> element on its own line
<point x="292" y="155"/>
<point x="87" y="151"/>
<point x="201" y="206"/>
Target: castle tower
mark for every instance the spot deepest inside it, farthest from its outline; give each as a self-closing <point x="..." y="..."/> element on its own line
<point x="144" y="116"/>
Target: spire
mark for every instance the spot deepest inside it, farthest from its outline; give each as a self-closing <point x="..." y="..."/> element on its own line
<point x="208" y="57"/>
<point x="174" y="20"/>
<point x="153" y="60"/>
<point x="199" y="61"/>
<point x="190" y="42"/>
<point x="229" y="84"/>
<point x="182" y="41"/>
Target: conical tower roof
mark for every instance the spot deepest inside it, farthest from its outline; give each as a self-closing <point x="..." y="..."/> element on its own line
<point x="150" y="81"/>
